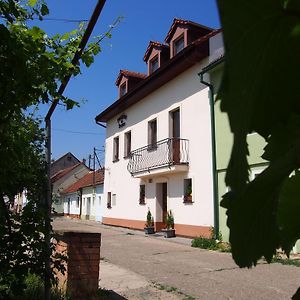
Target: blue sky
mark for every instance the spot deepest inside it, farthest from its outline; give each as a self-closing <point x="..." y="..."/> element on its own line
<point x="143" y="21"/>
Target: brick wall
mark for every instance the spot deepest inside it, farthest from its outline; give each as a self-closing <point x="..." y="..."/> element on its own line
<point x="82" y="276"/>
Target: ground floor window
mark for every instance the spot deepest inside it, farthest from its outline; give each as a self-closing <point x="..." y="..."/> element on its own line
<point x="142" y="198"/>
<point x="114" y="200"/>
<point x="188" y="190"/>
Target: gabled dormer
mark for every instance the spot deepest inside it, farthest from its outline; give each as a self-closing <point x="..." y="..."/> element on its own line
<point x="127" y="80"/>
<point x="156" y="55"/>
<point x="182" y="33"/>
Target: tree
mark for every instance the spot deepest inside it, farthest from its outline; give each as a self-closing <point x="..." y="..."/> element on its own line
<point x="32" y="66"/>
<point x="259" y="94"/>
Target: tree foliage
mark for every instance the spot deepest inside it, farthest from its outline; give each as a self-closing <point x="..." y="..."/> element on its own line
<point x="32" y="67"/>
<point x="259" y="94"/>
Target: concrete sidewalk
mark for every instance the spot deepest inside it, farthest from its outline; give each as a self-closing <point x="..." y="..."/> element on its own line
<point x="152" y="267"/>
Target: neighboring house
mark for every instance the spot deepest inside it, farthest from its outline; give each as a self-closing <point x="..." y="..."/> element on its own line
<point x="66" y="161"/>
<point x="83" y="199"/>
<point x="158" y="137"/>
<point x="61" y="180"/>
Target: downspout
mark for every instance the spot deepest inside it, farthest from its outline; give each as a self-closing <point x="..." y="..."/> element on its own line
<point x="213" y="145"/>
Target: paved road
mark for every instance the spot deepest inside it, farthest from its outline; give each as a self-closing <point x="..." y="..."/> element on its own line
<point x="141" y="267"/>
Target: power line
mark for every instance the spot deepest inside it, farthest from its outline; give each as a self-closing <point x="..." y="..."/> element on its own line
<point x="76" y="132"/>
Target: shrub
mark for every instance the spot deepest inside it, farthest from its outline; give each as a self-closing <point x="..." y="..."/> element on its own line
<point x="204" y="243"/>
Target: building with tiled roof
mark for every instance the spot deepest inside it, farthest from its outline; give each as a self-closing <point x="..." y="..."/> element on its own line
<point x="61" y="180"/>
<point x="158" y="146"/>
<point x="82" y="199"/>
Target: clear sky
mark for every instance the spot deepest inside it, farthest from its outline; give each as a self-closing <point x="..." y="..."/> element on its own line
<point x="76" y="130"/>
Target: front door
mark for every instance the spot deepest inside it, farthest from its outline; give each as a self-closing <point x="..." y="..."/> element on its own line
<point x="88" y="208"/>
<point x="175" y="135"/>
<point x="164" y="202"/>
<point x="69" y="206"/>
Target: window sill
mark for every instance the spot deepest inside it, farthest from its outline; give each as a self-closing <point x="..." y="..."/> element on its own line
<point x="115" y="160"/>
<point x="109" y="206"/>
<point x="127" y="156"/>
<point x="142" y="202"/>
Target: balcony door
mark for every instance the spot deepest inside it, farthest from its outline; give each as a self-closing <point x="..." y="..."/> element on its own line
<point x="175" y="135"/>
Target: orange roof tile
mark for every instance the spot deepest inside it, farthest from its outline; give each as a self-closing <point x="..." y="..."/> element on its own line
<point x="63" y="172"/>
<point x="85" y="181"/>
<point x="150" y="46"/>
<point x="129" y="74"/>
<point x="177" y="22"/>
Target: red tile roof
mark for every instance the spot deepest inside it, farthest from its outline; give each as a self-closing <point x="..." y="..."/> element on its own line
<point x="63" y="172"/>
<point x="86" y="181"/>
<point x="129" y="74"/>
<point x="161" y="76"/>
<point x="150" y="46"/>
<point x="177" y="22"/>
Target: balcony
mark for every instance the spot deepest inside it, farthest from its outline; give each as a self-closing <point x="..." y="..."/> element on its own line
<point x="166" y="156"/>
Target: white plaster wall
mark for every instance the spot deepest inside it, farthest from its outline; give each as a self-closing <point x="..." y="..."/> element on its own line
<point x="64" y="182"/>
<point x="96" y="203"/>
<point x="191" y="97"/>
<point x="74" y="210"/>
<point x="216" y="47"/>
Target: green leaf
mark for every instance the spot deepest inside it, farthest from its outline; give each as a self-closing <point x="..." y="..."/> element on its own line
<point x="32" y="2"/>
<point x="44" y="10"/>
<point x="289" y="211"/>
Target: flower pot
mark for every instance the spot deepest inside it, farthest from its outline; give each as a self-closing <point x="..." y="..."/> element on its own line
<point x="149" y="230"/>
<point x="168" y="233"/>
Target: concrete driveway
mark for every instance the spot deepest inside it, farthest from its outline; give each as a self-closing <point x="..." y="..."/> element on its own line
<point x="136" y="266"/>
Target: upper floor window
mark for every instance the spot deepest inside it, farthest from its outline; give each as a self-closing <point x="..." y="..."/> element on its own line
<point x="123" y="89"/>
<point x="116" y="149"/>
<point x="127" y="144"/>
<point x="152" y="133"/>
<point x="178" y="45"/>
<point x="154" y="64"/>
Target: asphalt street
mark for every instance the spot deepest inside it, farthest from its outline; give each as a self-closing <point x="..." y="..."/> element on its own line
<point x="136" y="266"/>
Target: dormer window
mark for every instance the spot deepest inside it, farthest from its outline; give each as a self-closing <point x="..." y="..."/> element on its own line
<point x="178" y="45"/>
<point x="154" y="64"/>
<point x="123" y="89"/>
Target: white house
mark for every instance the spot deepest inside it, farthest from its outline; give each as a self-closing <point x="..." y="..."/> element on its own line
<point x="61" y="180"/>
<point x="158" y="137"/>
<point x="83" y="199"/>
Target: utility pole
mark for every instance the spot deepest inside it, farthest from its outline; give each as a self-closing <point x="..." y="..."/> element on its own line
<point x="47" y="202"/>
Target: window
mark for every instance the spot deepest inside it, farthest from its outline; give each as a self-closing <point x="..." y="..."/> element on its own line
<point x="93" y="200"/>
<point x="178" y="45"/>
<point x="153" y="64"/>
<point x="127" y="144"/>
<point x="152" y="133"/>
<point x="99" y="198"/>
<point x="114" y="200"/>
<point x="123" y="89"/>
<point x="77" y="202"/>
<point x="109" y="200"/>
<point x="142" y="194"/>
<point x="188" y="189"/>
<point x="116" y="149"/>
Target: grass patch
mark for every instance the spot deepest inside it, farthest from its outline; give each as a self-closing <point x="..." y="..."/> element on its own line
<point x="286" y="261"/>
<point x="211" y="243"/>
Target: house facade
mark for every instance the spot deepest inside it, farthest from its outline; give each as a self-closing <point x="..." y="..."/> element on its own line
<point x="63" y="179"/>
<point x="158" y="143"/>
<point x="84" y="198"/>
